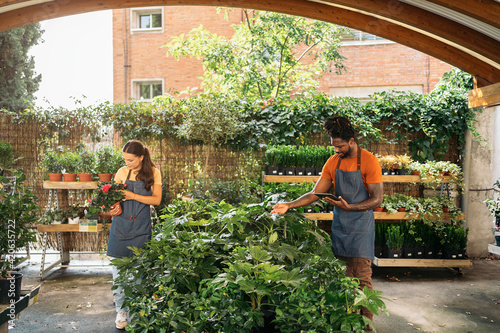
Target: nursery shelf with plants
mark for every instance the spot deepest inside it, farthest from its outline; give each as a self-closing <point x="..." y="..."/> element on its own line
<point x="445" y="243"/>
<point x="386" y="179"/>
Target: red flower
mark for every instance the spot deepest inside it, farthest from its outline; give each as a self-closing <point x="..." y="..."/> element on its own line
<point x="106" y="188"/>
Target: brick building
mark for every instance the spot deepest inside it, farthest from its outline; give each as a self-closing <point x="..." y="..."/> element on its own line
<point x="141" y="68"/>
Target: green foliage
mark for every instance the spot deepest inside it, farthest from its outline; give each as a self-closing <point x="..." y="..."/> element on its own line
<point x="86" y="162"/>
<point x="233" y="192"/>
<point x="70" y="161"/>
<point x="438" y="117"/>
<point x="453" y="237"/>
<point x="52" y="160"/>
<point x="18" y="80"/>
<point x="216" y="267"/>
<point x="394" y="237"/>
<point x="269" y="55"/>
<point x="108" y="159"/>
<point x="18" y="211"/>
<point x="6" y="155"/>
<point x="298" y="156"/>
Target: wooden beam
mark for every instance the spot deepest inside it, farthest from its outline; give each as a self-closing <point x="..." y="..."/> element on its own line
<point x="487" y="11"/>
<point x="485" y="96"/>
<point x="376" y="17"/>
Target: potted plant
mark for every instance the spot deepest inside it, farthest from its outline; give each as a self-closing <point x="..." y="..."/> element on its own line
<point x="414" y="168"/>
<point x="52" y="215"/>
<point x="394" y="239"/>
<point x="454" y="241"/>
<point x="104" y="162"/>
<point x="18" y="211"/>
<point x="70" y="161"/>
<point x="52" y="163"/>
<point x="403" y="163"/>
<point x="389" y="204"/>
<point x="270" y="157"/>
<point x="73" y="214"/>
<point x="85" y="166"/>
<point x="388" y="163"/>
<point x="106" y="196"/>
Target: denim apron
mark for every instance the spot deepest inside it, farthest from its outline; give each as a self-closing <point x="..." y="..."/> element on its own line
<point x="353" y="232"/>
<point x="133" y="226"/>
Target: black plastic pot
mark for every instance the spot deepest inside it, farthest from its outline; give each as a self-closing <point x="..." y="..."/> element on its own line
<point x="310" y="171"/>
<point x="10" y="289"/>
<point x="270" y="170"/>
<point x="300" y="171"/>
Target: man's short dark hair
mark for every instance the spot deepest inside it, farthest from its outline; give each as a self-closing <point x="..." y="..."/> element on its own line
<point x="339" y="127"/>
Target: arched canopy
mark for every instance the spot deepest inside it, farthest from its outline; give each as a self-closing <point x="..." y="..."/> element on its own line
<point x="464" y="33"/>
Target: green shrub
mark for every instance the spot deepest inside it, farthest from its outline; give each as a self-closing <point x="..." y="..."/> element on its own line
<point x="215" y="267"/>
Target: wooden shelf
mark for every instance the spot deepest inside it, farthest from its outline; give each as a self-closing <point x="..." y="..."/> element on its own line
<point x="313" y="179"/>
<point x="388" y="262"/>
<point x="378" y="216"/>
<point x="69" y="185"/>
<point x="62" y="227"/>
<point x="290" y="179"/>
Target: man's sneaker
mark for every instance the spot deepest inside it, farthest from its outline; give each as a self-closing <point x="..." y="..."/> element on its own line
<point x="121" y="320"/>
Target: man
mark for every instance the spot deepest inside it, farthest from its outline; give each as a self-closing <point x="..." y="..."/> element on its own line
<point x="357" y="179"/>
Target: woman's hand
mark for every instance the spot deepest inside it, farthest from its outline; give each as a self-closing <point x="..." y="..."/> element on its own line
<point x="129" y="195"/>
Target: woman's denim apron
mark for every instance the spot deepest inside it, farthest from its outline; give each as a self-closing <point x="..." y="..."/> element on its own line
<point x="133" y="226"/>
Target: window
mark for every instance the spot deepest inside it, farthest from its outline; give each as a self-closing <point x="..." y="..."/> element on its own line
<point x="146" y="19"/>
<point x="146" y="90"/>
<point x="358" y="37"/>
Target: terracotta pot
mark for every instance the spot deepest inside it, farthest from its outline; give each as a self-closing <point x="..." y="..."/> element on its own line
<point x="401" y="209"/>
<point x="69" y="177"/>
<point x="378" y="209"/>
<point x="104" y="177"/>
<point x="446" y="209"/>
<point x="84" y="177"/>
<point x="55" y="177"/>
<point x="415" y="172"/>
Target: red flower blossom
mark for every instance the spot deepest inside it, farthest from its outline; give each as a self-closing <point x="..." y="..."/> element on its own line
<point x="106" y="188"/>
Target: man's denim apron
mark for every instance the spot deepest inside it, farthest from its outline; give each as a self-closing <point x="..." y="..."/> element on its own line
<point x="353" y="233"/>
<point x="133" y="226"/>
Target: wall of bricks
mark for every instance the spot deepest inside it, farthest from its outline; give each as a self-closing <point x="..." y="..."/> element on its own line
<point x="140" y="56"/>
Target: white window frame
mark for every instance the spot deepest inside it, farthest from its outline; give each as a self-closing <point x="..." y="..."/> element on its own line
<point x="135" y="16"/>
<point x="363" y="38"/>
<point x="136" y="88"/>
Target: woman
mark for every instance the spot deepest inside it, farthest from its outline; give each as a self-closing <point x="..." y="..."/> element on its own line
<point x="133" y="226"/>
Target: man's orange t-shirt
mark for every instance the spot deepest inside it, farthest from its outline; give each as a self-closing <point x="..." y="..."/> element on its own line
<point x="371" y="170"/>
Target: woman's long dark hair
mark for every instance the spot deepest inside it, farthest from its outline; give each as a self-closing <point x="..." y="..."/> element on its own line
<point x="146" y="174"/>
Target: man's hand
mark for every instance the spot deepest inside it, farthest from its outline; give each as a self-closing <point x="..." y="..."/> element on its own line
<point x="342" y="204"/>
<point x="281" y="208"/>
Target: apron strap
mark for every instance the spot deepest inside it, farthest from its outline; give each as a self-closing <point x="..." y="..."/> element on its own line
<point x="340" y="160"/>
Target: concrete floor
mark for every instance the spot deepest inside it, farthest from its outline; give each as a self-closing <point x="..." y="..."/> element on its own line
<point x="424" y="299"/>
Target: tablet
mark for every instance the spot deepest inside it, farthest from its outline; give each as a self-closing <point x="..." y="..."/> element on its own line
<point x="327" y="195"/>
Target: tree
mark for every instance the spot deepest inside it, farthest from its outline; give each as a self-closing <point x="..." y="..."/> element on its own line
<point x="18" y="80"/>
<point x="269" y="55"/>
